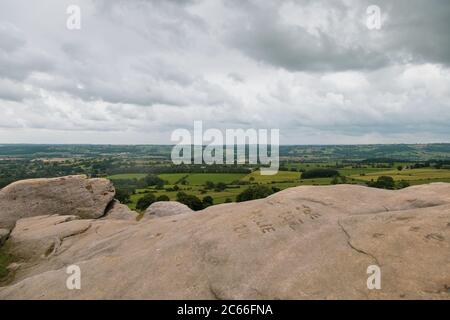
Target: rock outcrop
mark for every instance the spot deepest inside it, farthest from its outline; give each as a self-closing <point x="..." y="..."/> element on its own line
<point x="42" y="236"/>
<point x="300" y="243"/>
<point x="71" y="195"/>
<point x="166" y="208"/>
<point x="119" y="211"/>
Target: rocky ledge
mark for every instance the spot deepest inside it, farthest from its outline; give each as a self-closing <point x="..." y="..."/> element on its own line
<point x="300" y="243"/>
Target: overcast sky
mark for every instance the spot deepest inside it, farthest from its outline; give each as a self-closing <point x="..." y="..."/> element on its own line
<point x="137" y="70"/>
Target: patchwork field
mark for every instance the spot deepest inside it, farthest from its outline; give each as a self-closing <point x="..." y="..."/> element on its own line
<point x="416" y="175"/>
<point x="194" y="183"/>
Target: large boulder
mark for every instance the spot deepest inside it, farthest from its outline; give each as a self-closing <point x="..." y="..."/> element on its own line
<point x="166" y="208"/>
<point x="119" y="211"/>
<point x="71" y="195"/>
<point x="300" y="243"/>
<point x="42" y="236"/>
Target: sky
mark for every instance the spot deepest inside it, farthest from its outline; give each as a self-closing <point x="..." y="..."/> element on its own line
<point x="136" y="70"/>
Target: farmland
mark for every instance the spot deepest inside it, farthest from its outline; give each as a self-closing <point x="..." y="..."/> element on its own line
<point x="122" y="176"/>
<point x="137" y="171"/>
<point x="416" y="176"/>
<point x="195" y="183"/>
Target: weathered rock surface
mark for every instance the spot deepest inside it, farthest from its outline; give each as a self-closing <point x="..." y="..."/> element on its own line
<point x="42" y="236"/>
<point x="301" y="243"/>
<point x="119" y="211"/>
<point x="166" y="208"/>
<point x="71" y="195"/>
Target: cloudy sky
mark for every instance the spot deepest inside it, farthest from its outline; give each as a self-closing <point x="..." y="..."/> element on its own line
<point x="138" y="69"/>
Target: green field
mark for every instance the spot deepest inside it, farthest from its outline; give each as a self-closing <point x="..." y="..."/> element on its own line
<point x="415" y="175"/>
<point x="201" y="178"/>
<point x="123" y="176"/>
<point x="172" y="178"/>
<point x="195" y="182"/>
<point x="279" y="177"/>
<point x="126" y="166"/>
<point x="350" y="172"/>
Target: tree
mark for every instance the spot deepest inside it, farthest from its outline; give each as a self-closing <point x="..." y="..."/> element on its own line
<point x="220" y="186"/>
<point x="399" y="168"/>
<point x="209" y="185"/>
<point x="163" y="197"/>
<point x="207" y="201"/>
<point x="123" y="195"/>
<point x="383" y="182"/>
<point x="153" y="180"/>
<point x="335" y="180"/>
<point x="403" y="184"/>
<point x="144" y="202"/>
<point x="254" y="192"/>
<point x="319" y="173"/>
<point x="275" y="189"/>
<point x="190" y="200"/>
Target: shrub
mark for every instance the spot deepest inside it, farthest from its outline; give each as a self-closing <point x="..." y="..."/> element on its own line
<point x="254" y="192"/>
<point x="220" y="186"/>
<point x="123" y="195"/>
<point x="190" y="200"/>
<point x="153" y="180"/>
<point x="403" y="184"/>
<point x="275" y="189"/>
<point x="339" y="180"/>
<point x="207" y="201"/>
<point x="209" y="185"/>
<point x="383" y="182"/>
<point x="163" y="197"/>
<point x="319" y="173"/>
<point x="144" y="202"/>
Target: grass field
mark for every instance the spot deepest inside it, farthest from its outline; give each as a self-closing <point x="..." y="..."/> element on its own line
<point x="279" y="177"/>
<point x="415" y="175"/>
<point x="201" y="178"/>
<point x="172" y="178"/>
<point x="349" y="172"/>
<point x="122" y="176"/>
